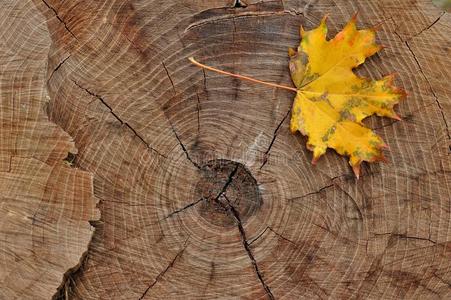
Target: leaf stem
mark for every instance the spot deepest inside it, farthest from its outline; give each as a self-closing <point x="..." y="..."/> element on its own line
<point x="241" y="76"/>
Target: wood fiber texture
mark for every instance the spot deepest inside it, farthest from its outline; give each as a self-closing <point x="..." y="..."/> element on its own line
<point x="45" y="203"/>
<point x="203" y="191"/>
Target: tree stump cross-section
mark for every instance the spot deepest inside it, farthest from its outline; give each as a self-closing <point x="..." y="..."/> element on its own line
<point x="203" y="192"/>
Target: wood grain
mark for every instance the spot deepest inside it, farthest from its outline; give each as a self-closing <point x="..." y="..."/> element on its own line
<point x="45" y="202"/>
<point x="203" y="191"/>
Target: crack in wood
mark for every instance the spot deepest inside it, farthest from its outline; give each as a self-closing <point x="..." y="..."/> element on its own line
<point x="184" y="148"/>
<point x="312" y="193"/>
<point x="59" y="18"/>
<point x="276" y="131"/>
<point x="119" y="119"/>
<point x="406" y="237"/>
<point x="162" y="273"/>
<point x="239" y="4"/>
<point x="57" y="67"/>
<point x="198" y="112"/>
<point x="430" y="87"/>
<point x="276" y="233"/>
<point x="169" y="76"/>
<point x="228" y="183"/>
<point x="247" y="248"/>
<point x="429" y="26"/>
<point x="183" y="208"/>
<point x="406" y="42"/>
<point x="64" y="291"/>
<point x="228" y="206"/>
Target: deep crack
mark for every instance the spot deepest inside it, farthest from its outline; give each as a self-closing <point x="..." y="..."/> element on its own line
<point x="227" y="184"/>
<point x="183" y="208"/>
<point x="235" y="214"/>
<point x="429" y="26"/>
<point x="239" y="4"/>
<point x="59" y="18"/>
<point x="247" y="248"/>
<point x="266" y="155"/>
<point x="169" y="76"/>
<point x="57" y="67"/>
<point x="198" y="112"/>
<point x="184" y="148"/>
<point x="119" y="119"/>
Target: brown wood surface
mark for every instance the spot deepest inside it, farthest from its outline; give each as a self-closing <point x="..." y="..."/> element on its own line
<point x="203" y="191"/>
<point x="45" y="202"/>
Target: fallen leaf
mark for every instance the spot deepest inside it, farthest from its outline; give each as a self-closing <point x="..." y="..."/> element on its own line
<point x="332" y="101"/>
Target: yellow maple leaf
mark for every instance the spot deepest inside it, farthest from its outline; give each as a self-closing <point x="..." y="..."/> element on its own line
<point x="332" y="101"/>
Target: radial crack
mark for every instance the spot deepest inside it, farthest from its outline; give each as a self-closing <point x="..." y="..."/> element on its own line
<point x="59" y="18"/>
<point x="184" y="148"/>
<point x="429" y="26"/>
<point x="312" y="193"/>
<point x="246" y="246"/>
<point x="266" y="155"/>
<point x="198" y="112"/>
<point x="430" y="87"/>
<point x="259" y="236"/>
<point x="282" y="237"/>
<point x="162" y="273"/>
<point x="169" y="76"/>
<point x="228" y="182"/>
<point x="183" y="208"/>
<point x="119" y="119"/>
<point x="205" y="79"/>
<point x="276" y="233"/>
<point x="408" y="237"/>
<point x="236" y="216"/>
<point x="57" y="67"/>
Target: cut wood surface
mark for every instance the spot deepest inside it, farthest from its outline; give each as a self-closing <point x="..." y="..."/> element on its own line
<point x="203" y="191"/>
<point x="45" y="203"/>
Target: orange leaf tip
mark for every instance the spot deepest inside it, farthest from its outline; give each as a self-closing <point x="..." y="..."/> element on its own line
<point x="396" y="117"/>
<point x="356" y="170"/>
<point x="314" y="160"/>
